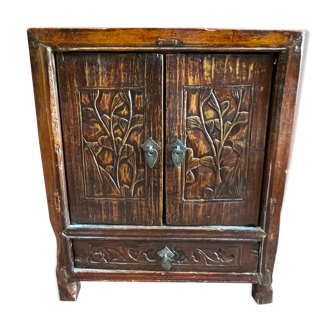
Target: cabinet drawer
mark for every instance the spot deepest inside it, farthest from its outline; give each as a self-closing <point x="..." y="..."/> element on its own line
<point x="186" y="256"/>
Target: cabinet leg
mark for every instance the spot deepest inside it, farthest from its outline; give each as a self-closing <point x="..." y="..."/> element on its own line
<point x="68" y="288"/>
<point x="262" y="294"/>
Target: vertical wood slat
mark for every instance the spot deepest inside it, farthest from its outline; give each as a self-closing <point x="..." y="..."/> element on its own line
<point x="51" y="147"/>
<point x="284" y="94"/>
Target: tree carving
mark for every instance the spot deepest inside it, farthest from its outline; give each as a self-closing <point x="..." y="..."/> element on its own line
<point x="111" y="139"/>
<point x="225" y="136"/>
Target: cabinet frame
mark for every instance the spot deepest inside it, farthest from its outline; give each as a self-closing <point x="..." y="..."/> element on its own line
<point x="287" y="46"/>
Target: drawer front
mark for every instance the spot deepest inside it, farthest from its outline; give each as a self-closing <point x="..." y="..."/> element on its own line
<point x="186" y="256"/>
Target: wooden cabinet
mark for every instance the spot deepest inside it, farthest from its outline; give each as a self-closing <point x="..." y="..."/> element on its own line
<point x="165" y="151"/>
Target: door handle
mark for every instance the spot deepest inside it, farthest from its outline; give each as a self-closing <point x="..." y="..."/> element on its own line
<point x="178" y="150"/>
<point x="150" y="148"/>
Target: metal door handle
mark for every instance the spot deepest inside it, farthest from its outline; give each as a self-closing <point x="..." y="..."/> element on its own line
<point x="151" y="149"/>
<point x="178" y="150"/>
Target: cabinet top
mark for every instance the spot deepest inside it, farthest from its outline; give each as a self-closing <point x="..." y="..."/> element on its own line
<point x="154" y="39"/>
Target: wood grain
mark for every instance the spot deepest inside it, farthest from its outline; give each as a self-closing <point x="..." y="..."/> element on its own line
<point x="110" y="105"/>
<point x="226" y="162"/>
<point x="51" y="148"/>
<point x="142" y="255"/>
<point x="181" y="39"/>
<point x="175" y="232"/>
<point x="157" y="276"/>
<point x="44" y="44"/>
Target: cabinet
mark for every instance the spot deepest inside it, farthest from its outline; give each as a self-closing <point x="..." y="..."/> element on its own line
<point x="165" y="151"/>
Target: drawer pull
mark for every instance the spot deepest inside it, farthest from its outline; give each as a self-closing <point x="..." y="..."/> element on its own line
<point x="178" y="150"/>
<point x="151" y="149"/>
<point x="168" y="42"/>
<point x="166" y="258"/>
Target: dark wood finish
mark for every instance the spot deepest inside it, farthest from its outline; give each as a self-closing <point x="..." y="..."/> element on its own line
<point x="110" y="105"/>
<point x="217" y="106"/>
<point x="153" y="232"/>
<point x="51" y="148"/>
<point x="159" y="39"/>
<point x="277" y="157"/>
<point x="119" y="275"/>
<point x="189" y="255"/>
<point x="286" y="46"/>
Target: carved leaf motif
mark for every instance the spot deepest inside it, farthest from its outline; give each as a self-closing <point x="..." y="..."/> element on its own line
<point x="125" y="190"/>
<point x="106" y="120"/>
<point x="89" y="114"/>
<point x="243" y="117"/>
<point x="194" y="122"/>
<point x="208" y="192"/>
<point x="213" y="102"/>
<point x="224" y="107"/>
<point x="105" y="142"/>
<point x="115" y="121"/>
<point x="127" y="151"/>
<point x="140" y="175"/>
<point x="123" y="124"/>
<point x="93" y="95"/>
<point x="207" y="161"/>
<point x="239" y="147"/>
<point x="95" y="147"/>
<point x="205" y="95"/>
<point x="209" y="125"/>
<point x="137" y="121"/>
<point x="192" y="163"/>
<point x="216" y="144"/>
<point x="240" y="135"/>
<point x="132" y="159"/>
<point x="109" y="169"/>
<point x="118" y="141"/>
<point x="217" y="124"/>
<point x="226" y="151"/>
<point x="237" y="94"/>
<point x="106" y="176"/>
<point x="190" y="177"/>
<point x="226" y="127"/>
<point x="118" y="100"/>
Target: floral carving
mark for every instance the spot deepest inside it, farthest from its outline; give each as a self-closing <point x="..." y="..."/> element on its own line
<point x="112" y="134"/>
<point x="230" y="256"/>
<point x="217" y="133"/>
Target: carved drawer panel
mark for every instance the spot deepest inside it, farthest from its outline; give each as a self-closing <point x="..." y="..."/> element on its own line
<point x="183" y="255"/>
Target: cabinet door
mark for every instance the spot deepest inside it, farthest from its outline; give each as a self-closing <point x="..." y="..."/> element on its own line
<point x="110" y="105"/>
<point x="217" y="106"/>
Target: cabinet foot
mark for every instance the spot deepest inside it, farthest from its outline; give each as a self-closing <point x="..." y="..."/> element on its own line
<point x="68" y="289"/>
<point x="262" y="294"/>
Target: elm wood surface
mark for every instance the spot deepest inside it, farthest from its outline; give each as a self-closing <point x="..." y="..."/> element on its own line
<point x="51" y="148"/>
<point x="103" y="232"/>
<point x="287" y="46"/>
<point x="217" y="106"/>
<point x="189" y="255"/>
<point x="119" y="275"/>
<point x="110" y="105"/>
<point x="158" y="39"/>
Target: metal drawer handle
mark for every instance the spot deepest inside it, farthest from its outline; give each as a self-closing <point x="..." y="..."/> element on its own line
<point x="166" y="258"/>
<point x="178" y="150"/>
<point x="150" y="148"/>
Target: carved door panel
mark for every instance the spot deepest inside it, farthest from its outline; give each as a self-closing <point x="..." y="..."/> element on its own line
<point x="217" y="106"/>
<point x="110" y="105"/>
